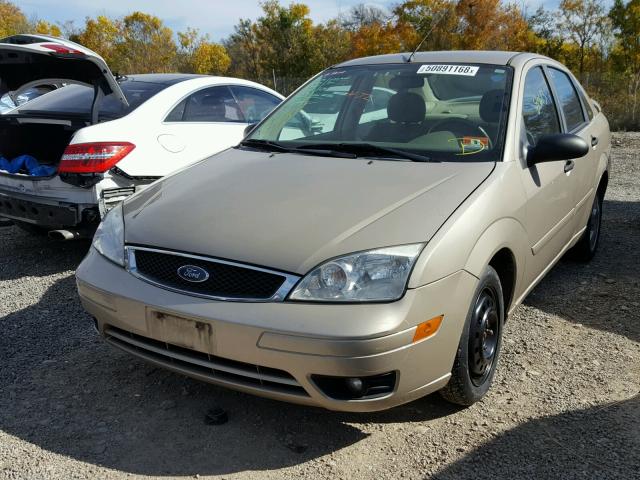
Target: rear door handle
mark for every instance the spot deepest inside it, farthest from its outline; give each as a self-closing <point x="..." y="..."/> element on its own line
<point x="568" y="166"/>
<point x="594" y="141"/>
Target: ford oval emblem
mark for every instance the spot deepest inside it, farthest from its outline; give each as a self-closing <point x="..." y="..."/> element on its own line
<point x="193" y="273"/>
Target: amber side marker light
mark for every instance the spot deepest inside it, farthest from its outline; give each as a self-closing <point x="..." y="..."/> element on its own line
<point x="428" y="328"/>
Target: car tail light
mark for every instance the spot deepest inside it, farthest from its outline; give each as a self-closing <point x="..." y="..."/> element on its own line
<point x="61" y="49"/>
<point x="93" y="157"/>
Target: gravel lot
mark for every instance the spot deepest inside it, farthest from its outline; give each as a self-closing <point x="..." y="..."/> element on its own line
<point x="565" y="402"/>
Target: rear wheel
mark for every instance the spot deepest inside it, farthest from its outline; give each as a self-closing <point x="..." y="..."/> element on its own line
<point x="477" y="356"/>
<point x="587" y="246"/>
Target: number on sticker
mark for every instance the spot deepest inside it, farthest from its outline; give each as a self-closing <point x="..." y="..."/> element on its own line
<point x="468" y="70"/>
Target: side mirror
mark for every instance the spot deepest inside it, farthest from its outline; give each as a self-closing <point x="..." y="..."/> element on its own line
<point x="249" y="128"/>
<point x="563" y="146"/>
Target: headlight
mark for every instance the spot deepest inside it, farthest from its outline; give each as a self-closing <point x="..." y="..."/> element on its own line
<point x="109" y="237"/>
<point x="371" y="276"/>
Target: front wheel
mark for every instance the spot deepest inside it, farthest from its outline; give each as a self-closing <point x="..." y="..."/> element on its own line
<point x="477" y="355"/>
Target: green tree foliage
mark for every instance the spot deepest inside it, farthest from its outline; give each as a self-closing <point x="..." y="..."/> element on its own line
<point x="145" y="45"/>
<point x="626" y="54"/>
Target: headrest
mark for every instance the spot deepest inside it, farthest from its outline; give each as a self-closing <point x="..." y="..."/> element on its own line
<point x="404" y="82"/>
<point x="491" y="106"/>
<point x="406" y="107"/>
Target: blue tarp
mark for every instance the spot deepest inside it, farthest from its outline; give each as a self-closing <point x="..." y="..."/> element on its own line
<point x="28" y="163"/>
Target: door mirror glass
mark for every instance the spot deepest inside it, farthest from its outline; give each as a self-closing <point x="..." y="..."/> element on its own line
<point x="563" y="146"/>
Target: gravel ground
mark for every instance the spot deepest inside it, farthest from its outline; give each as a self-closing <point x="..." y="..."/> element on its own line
<point x="565" y="402"/>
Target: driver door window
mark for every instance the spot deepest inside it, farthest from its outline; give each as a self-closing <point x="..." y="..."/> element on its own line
<point x="539" y="111"/>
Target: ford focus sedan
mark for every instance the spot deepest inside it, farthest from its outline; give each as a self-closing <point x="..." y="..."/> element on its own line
<point x="370" y="254"/>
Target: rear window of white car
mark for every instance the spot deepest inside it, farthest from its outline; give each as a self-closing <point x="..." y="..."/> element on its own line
<point x="77" y="100"/>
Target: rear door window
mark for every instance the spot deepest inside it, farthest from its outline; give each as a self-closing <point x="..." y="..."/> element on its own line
<point x="214" y="104"/>
<point x="253" y="103"/>
<point x="567" y="98"/>
<point x="539" y="111"/>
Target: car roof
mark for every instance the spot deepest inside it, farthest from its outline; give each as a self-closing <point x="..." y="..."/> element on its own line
<point x="456" y="56"/>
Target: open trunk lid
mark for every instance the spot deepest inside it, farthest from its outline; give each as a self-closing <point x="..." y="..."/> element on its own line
<point x="29" y="60"/>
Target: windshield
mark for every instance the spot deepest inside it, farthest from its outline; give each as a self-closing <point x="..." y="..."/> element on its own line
<point x="447" y="112"/>
<point x="77" y="100"/>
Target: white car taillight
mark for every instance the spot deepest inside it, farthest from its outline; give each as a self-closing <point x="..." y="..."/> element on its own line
<point x="93" y="157"/>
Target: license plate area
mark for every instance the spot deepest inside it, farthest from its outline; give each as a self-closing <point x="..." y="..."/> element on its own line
<point x="180" y="331"/>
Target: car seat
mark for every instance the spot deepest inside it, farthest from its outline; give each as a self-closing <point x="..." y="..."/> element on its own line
<point x="405" y="119"/>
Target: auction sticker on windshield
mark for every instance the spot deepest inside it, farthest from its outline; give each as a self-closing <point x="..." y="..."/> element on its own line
<point x="468" y="70"/>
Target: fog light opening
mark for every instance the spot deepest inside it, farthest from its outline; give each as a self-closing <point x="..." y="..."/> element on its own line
<point x="356" y="388"/>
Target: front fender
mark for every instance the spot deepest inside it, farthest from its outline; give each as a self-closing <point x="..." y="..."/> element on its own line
<point x="504" y="233"/>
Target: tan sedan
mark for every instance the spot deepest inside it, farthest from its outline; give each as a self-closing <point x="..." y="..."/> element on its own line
<point x="363" y="246"/>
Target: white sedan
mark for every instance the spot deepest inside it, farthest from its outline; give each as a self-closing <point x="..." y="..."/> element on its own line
<point x="69" y="155"/>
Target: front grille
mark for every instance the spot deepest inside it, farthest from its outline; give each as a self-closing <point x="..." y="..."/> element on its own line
<point x="226" y="280"/>
<point x="205" y="366"/>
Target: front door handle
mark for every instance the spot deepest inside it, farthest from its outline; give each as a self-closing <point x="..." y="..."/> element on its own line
<point x="594" y="141"/>
<point x="568" y="166"/>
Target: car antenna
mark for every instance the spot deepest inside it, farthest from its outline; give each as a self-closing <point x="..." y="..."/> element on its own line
<point x="435" y="24"/>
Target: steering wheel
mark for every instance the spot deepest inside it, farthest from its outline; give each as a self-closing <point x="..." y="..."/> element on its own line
<point x="460" y="127"/>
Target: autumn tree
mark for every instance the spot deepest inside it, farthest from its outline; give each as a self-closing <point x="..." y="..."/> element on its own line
<point x="491" y="25"/>
<point x="12" y="20"/>
<point x="332" y="45"/>
<point x="144" y="45"/>
<point x="197" y="54"/>
<point x="626" y="52"/>
<point x="548" y="40"/>
<point x="376" y="39"/>
<point x="433" y="21"/>
<point x="100" y="35"/>
<point x="364" y="15"/>
<point x="45" y="28"/>
<point x="286" y="34"/>
<point x="245" y="51"/>
<point x="582" y="21"/>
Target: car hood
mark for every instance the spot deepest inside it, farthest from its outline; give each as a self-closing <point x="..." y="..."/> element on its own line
<point x="290" y="212"/>
<point x="30" y="60"/>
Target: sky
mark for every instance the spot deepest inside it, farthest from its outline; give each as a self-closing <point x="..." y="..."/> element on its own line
<point x="215" y="17"/>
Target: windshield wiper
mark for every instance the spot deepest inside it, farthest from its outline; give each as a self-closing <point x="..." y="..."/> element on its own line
<point x="362" y="149"/>
<point x="278" y="147"/>
<point x="264" y="145"/>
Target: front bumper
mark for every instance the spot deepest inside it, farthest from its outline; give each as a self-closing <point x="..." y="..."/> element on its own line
<point x="274" y="349"/>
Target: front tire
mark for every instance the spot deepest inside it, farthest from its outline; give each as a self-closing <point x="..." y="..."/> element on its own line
<point x="477" y="355"/>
